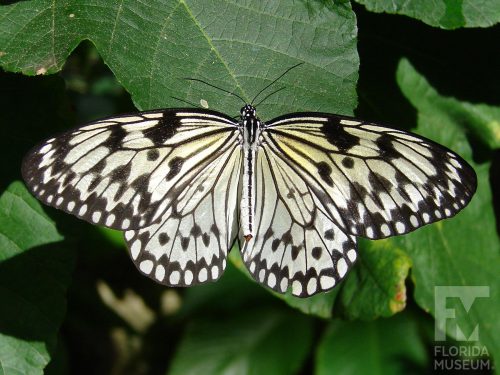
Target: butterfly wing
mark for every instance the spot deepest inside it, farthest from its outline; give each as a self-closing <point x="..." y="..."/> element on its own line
<point x="296" y="244"/>
<point x="125" y="172"/>
<point x="170" y="177"/>
<point x="373" y="181"/>
<point x="190" y="244"/>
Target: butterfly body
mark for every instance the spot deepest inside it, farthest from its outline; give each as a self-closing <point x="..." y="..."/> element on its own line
<point x="295" y="191"/>
<point x="251" y="128"/>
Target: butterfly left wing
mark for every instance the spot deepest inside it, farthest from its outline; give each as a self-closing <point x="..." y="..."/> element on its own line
<point x="373" y="181"/>
<point x="296" y="245"/>
<point x="190" y="244"/>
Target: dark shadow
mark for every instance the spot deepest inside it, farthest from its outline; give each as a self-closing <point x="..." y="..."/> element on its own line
<point x="33" y="292"/>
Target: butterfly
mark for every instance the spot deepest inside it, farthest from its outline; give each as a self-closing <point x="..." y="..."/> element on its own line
<point x="296" y="191"/>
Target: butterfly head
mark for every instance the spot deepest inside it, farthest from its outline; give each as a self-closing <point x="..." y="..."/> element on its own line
<point x="248" y="111"/>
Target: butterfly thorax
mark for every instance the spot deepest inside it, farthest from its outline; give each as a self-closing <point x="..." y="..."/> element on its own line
<point x="250" y="126"/>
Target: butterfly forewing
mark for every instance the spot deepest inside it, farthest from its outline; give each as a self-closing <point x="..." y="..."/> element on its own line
<point x="374" y="181"/>
<point x="125" y="172"/>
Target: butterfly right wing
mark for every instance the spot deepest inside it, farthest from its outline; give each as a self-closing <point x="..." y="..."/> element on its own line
<point x="125" y="172"/>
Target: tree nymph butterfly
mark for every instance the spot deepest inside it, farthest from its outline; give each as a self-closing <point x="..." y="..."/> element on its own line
<point x="185" y="184"/>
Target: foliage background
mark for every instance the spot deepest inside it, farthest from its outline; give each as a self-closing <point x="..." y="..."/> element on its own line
<point x="72" y="302"/>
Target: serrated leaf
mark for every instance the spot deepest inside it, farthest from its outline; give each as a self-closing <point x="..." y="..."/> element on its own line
<point x="447" y="14"/>
<point x="259" y="341"/>
<point x="33" y="282"/>
<point x="465" y="250"/>
<point x="385" y="346"/>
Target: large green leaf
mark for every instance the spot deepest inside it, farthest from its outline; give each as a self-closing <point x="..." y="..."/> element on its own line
<point x="259" y="341"/>
<point x="384" y="346"/>
<point x="33" y="282"/>
<point x="465" y="250"/>
<point x="448" y="14"/>
<point x="240" y="46"/>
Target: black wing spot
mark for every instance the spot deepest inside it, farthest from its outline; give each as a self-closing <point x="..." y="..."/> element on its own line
<point x="336" y="134"/>
<point x="287" y="238"/>
<point x="269" y="233"/>
<point x="196" y="231"/>
<point x="115" y="140"/>
<point x="166" y="129"/>
<point x="274" y="245"/>
<point x="175" y="166"/>
<point x="153" y="154"/>
<point x="141" y="182"/>
<point x="295" y="252"/>
<point x="329" y="234"/>
<point x="215" y="230"/>
<point x="316" y="252"/>
<point x="387" y="150"/>
<point x="93" y="184"/>
<point x="185" y="243"/>
<point x="324" y="171"/>
<point x="98" y="168"/>
<point x="206" y="239"/>
<point x="163" y="238"/>
<point x="122" y="172"/>
<point x="348" y="162"/>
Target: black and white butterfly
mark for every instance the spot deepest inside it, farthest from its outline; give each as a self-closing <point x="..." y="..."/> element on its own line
<point x="296" y="191"/>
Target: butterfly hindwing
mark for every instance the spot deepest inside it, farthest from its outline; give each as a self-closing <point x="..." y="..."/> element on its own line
<point x="124" y="172"/>
<point x="296" y="245"/>
<point x="189" y="245"/>
<point x="374" y="181"/>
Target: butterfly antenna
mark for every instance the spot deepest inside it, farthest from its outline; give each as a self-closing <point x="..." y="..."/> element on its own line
<point x="267" y="96"/>
<point x="274" y="81"/>
<point x="216" y="87"/>
<point x="186" y="101"/>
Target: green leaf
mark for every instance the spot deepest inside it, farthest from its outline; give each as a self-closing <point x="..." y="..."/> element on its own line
<point x="384" y="346"/>
<point x="152" y="46"/>
<point x="259" y="341"/>
<point x="23" y="222"/>
<point x="376" y="286"/>
<point x="465" y="250"/>
<point x="33" y="282"/>
<point x="447" y="14"/>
